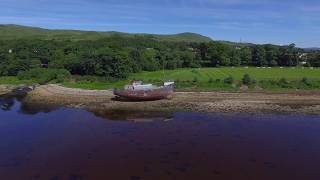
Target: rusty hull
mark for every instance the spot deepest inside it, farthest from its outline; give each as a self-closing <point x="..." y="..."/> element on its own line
<point x="144" y="95"/>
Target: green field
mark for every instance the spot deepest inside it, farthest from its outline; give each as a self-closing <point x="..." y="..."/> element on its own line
<point x="205" y="74"/>
<point x="185" y="78"/>
<point x="206" y="78"/>
<point x="14" y="81"/>
<point x="95" y="85"/>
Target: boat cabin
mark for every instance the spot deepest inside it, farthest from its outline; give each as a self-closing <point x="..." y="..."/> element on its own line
<point x="139" y="86"/>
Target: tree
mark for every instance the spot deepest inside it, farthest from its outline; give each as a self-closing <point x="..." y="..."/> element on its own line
<point x="189" y="59"/>
<point x="236" y="56"/>
<point x="246" y="56"/>
<point x="112" y="63"/>
<point x="219" y="54"/>
<point x="272" y="54"/>
<point x="289" y="55"/>
<point x="314" y="59"/>
<point x="148" y="60"/>
<point x="258" y="58"/>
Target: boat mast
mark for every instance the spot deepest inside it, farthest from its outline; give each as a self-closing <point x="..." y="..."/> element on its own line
<point x="163" y="75"/>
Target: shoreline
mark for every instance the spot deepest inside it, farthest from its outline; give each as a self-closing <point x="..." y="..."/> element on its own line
<point x="4" y="89"/>
<point x="237" y="102"/>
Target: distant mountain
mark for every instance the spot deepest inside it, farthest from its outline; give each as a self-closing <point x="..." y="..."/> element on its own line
<point x="9" y="32"/>
<point x="312" y="49"/>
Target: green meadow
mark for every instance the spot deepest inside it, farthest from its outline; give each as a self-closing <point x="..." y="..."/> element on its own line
<point x="14" y="81"/>
<point x="213" y="78"/>
<point x="207" y="79"/>
<point x="205" y="74"/>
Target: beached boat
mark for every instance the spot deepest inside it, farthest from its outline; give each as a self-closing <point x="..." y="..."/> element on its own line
<point x="143" y="92"/>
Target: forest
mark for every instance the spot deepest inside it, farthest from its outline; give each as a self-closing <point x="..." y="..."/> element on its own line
<point x="115" y="57"/>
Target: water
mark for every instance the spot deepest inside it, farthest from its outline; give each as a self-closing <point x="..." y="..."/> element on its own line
<point x="49" y="143"/>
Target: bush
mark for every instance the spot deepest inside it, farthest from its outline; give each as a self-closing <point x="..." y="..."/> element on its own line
<point x="283" y="81"/>
<point x="228" y="80"/>
<point x="254" y="81"/>
<point x="195" y="79"/>
<point x="42" y="75"/>
<point x="195" y="71"/>
<point x="305" y="81"/>
<point x="246" y="80"/>
<point x="210" y="80"/>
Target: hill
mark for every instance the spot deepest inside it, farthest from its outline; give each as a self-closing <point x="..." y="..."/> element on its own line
<point x="312" y="49"/>
<point x="10" y="32"/>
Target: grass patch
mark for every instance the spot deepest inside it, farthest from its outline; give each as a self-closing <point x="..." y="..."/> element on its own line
<point x="205" y="74"/>
<point x="95" y="85"/>
<point x="205" y="79"/>
<point x="14" y="80"/>
<point x="215" y="79"/>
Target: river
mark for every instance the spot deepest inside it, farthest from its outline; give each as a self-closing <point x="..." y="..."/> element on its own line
<point x="56" y="143"/>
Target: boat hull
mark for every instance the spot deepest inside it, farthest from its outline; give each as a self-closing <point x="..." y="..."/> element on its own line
<point x="144" y="95"/>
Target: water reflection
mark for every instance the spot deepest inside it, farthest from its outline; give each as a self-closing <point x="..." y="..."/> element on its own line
<point x="7" y="102"/>
<point x="135" y="116"/>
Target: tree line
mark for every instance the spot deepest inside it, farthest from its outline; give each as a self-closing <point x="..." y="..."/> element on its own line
<point x="117" y="57"/>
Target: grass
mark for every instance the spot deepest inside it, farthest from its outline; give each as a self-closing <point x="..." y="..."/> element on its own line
<point x="14" y="81"/>
<point x="205" y="74"/>
<point x="204" y="79"/>
<point x="95" y="85"/>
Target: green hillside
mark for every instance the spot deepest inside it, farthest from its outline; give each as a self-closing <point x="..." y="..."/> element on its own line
<point x="11" y="32"/>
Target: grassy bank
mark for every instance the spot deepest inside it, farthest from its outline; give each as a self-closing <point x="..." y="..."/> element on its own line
<point x="14" y="81"/>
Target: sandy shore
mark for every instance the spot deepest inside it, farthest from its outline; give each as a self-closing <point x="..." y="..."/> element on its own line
<point x="290" y="102"/>
<point x="4" y="89"/>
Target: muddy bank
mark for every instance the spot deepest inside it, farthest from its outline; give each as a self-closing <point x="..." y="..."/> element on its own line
<point x="4" y="89"/>
<point x="293" y="102"/>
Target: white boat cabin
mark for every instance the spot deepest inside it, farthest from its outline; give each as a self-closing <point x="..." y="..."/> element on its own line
<point x="139" y="86"/>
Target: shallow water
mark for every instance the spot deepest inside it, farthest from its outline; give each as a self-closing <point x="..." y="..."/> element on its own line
<point x="39" y="142"/>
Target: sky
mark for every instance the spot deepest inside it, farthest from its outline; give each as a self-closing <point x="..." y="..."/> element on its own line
<point x="256" y="21"/>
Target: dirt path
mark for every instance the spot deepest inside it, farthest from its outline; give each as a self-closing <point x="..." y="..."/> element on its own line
<point x="299" y="102"/>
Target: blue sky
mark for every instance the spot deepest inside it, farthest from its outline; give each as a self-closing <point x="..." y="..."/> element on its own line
<point x="257" y="21"/>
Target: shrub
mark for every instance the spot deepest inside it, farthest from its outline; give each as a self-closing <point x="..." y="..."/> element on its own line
<point x="218" y="80"/>
<point x="195" y="71"/>
<point x="210" y="80"/>
<point x="195" y="79"/>
<point x="254" y="81"/>
<point x="305" y="81"/>
<point x="283" y="81"/>
<point x="228" y="80"/>
<point x="246" y="80"/>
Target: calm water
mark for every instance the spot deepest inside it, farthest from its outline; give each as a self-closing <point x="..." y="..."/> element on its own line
<point x="56" y="144"/>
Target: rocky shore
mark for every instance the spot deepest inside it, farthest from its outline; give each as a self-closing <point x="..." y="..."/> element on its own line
<point x="250" y="102"/>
